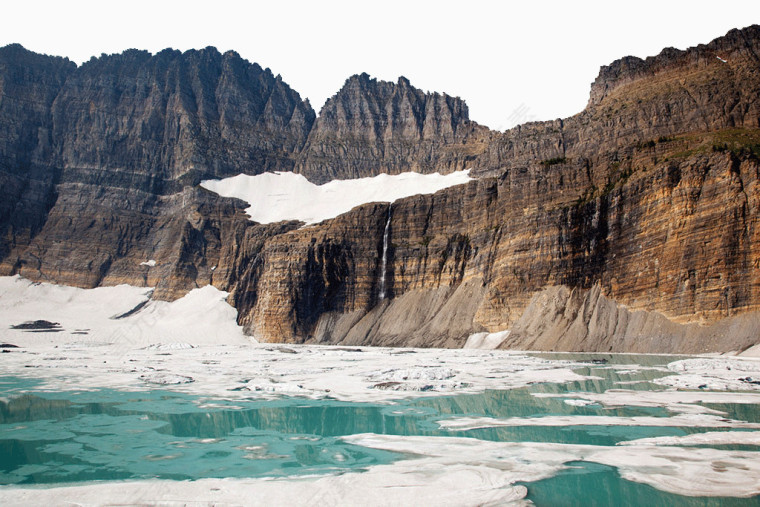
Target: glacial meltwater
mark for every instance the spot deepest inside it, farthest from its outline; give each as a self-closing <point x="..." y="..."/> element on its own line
<point x="51" y="438"/>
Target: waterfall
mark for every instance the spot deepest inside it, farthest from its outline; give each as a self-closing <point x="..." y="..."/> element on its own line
<point x="384" y="263"/>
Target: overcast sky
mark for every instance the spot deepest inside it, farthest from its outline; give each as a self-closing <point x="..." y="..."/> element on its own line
<point x="511" y="62"/>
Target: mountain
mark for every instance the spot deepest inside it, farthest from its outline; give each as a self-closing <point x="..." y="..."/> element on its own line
<point x="372" y="126"/>
<point x="631" y="226"/>
<point x="121" y="143"/>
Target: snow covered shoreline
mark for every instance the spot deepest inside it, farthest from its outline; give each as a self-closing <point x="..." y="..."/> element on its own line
<point x="194" y="345"/>
<point x="116" y="337"/>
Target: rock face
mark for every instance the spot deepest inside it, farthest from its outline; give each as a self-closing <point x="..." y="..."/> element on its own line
<point x="649" y="194"/>
<point x="29" y="171"/>
<point x="648" y="198"/>
<point x="161" y="122"/>
<point x="372" y="126"/>
<point x="119" y="146"/>
<point x="634" y="101"/>
<point x="651" y="189"/>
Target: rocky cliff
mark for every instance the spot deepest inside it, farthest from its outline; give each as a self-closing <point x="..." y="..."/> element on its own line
<point x="650" y="194"/>
<point x="373" y="126"/>
<point x="112" y="152"/>
<point x="638" y="216"/>
<point x="29" y="171"/>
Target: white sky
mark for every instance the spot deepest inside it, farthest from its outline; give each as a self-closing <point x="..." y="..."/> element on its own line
<point x="512" y="62"/>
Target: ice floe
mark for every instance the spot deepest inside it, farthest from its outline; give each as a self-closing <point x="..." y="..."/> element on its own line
<point x="415" y="373"/>
<point x="165" y="378"/>
<point x="680" y="420"/>
<point x="404" y="483"/>
<point x="438" y="471"/>
<point x="139" y="342"/>
<point x="671" y="469"/>
<point x="707" y="438"/>
<point x="232" y="371"/>
<point x="714" y="373"/>
<point x="193" y="345"/>
<point x="682" y="402"/>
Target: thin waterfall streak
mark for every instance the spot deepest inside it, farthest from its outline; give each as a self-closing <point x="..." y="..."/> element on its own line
<point x="384" y="264"/>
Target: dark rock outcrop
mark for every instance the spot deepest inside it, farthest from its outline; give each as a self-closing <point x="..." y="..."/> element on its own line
<point x="108" y="157"/>
<point x="371" y="127"/>
<point x="29" y="167"/>
<point x="162" y="122"/>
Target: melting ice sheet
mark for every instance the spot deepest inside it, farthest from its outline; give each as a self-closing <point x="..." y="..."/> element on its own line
<point x="277" y="196"/>
<point x="465" y="427"/>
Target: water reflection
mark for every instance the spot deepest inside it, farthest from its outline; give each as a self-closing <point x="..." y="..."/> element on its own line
<point x="48" y="441"/>
<point x="146" y="435"/>
<point x="592" y="484"/>
<point x="107" y="435"/>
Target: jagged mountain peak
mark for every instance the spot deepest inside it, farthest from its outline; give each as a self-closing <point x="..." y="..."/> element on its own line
<point x="363" y="99"/>
<point x="383" y="88"/>
<point x="205" y="58"/>
<point x="371" y="126"/>
<point x="170" y="118"/>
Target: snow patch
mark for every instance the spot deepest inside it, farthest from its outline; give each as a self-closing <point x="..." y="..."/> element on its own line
<point x="278" y="196"/>
<point x="151" y="263"/>
<point x="202" y="316"/>
<point x="486" y="341"/>
<point x="753" y="351"/>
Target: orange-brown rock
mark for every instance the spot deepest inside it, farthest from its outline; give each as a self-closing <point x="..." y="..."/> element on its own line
<point x="650" y="195"/>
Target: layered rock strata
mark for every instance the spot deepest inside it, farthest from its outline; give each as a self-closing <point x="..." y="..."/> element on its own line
<point x="111" y="154"/>
<point x="649" y="194"/>
<point x="373" y="126"/>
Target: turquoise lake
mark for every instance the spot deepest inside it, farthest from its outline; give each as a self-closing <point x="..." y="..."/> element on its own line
<point x="49" y="438"/>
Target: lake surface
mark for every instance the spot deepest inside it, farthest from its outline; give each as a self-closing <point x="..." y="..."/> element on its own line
<point x="52" y="438"/>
